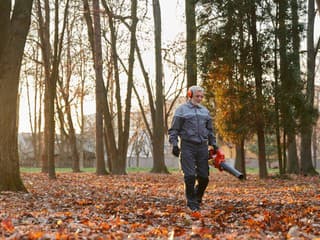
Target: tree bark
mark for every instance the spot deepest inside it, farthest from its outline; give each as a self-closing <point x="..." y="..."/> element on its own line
<point x="293" y="165"/>
<point x="307" y="167"/>
<point x="11" y="52"/>
<point x="276" y="99"/>
<point x="101" y="168"/>
<point x="72" y="139"/>
<point x="118" y="154"/>
<point x="257" y="68"/>
<point x="52" y="89"/>
<point x="158" y="126"/>
<point x="240" y="163"/>
<point x="115" y="166"/>
<point x="127" y="115"/>
<point x="315" y="146"/>
<point x="44" y="33"/>
<point x="191" y="32"/>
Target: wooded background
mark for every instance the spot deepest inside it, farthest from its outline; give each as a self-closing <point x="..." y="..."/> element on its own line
<point x="257" y="61"/>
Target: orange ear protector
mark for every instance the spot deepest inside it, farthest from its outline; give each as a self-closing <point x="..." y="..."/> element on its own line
<point x="189" y="93"/>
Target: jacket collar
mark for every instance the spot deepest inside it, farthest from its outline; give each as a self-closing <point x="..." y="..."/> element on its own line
<point x="191" y="105"/>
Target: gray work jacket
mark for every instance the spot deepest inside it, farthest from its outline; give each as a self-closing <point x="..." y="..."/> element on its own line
<point x="192" y="123"/>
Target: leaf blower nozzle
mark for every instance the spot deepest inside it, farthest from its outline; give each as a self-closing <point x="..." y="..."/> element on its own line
<point x="217" y="159"/>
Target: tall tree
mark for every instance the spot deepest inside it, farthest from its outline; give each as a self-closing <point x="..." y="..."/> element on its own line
<point x="257" y="71"/>
<point x="285" y="105"/>
<point x="249" y="60"/>
<point x="46" y="53"/>
<point x="158" y="126"/>
<point x="224" y="60"/>
<point x="293" y="165"/>
<point x="94" y="34"/>
<point x="34" y="91"/>
<point x="117" y="142"/>
<point x="51" y="59"/>
<point x="191" y="41"/>
<point x="100" y="170"/>
<point x="155" y="127"/>
<point x="276" y="85"/>
<point x="14" y="29"/>
<point x="64" y="112"/>
<point x="307" y="119"/>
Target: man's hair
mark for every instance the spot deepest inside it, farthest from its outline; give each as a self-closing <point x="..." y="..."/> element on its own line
<point x="196" y="88"/>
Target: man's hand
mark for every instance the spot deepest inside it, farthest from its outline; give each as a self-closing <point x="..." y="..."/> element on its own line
<point x="215" y="148"/>
<point x="176" y="151"/>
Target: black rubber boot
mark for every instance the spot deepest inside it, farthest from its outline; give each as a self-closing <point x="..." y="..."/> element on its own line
<point x="201" y="187"/>
<point x="192" y="202"/>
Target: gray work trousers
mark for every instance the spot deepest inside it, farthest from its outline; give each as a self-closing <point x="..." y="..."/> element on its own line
<point x="194" y="159"/>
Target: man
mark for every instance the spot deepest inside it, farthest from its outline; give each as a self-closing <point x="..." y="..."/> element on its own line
<point x="192" y="123"/>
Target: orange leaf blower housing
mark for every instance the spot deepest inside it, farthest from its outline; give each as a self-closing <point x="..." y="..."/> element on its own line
<point x="217" y="159"/>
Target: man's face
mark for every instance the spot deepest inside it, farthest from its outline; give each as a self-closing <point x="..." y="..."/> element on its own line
<point x="197" y="97"/>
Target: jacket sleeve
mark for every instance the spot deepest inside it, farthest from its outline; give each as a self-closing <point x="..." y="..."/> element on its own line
<point x="175" y="128"/>
<point x="211" y="135"/>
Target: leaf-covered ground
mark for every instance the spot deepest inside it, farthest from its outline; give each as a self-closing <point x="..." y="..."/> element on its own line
<point x="152" y="206"/>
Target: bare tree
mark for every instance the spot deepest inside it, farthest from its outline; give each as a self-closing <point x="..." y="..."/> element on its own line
<point x="44" y="33"/>
<point x="34" y="90"/>
<point x="158" y="126"/>
<point x="14" y="27"/>
<point x="51" y="59"/>
<point x="65" y="108"/>
<point x="118" y="148"/>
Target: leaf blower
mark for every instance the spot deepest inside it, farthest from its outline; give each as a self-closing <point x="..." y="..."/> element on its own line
<point x="217" y="159"/>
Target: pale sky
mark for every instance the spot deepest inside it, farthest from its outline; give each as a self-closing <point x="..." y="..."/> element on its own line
<point x="172" y="17"/>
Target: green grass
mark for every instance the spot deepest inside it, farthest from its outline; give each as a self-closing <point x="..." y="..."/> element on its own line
<point x="65" y="170"/>
<point x="137" y="170"/>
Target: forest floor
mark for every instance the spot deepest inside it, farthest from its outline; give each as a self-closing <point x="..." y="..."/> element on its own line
<point x="152" y="206"/>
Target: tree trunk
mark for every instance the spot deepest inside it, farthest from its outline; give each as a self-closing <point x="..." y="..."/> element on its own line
<point x="240" y="163"/>
<point x="315" y="146"/>
<point x="83" y="74"/>
<point x="101" y="168"/>
<point x="293" y="164"/>
<point x="14" y="32"/>
<point x="286" y="84"/>
<point x="73" y="143"/>
<point x="65" y="91"/>
<point x="257" y="68"/>
<point x="307" y="167"/>
<point x="33" y="122"/>
<point x="123" y="147"/>
<point x="191" y="32"/>
<point x="115" y="166"/>
<point x="276" y="100"/>
<point x="52" y="89"/>
<point x="44" y="33"/>
<point x="158" y="127"/>
<point x="119" y="154"/>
